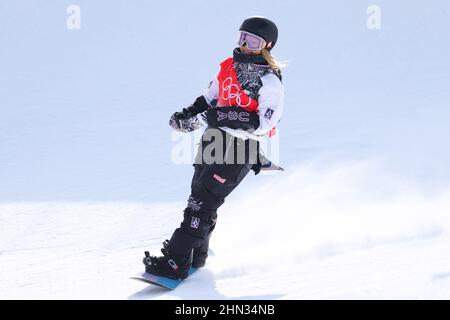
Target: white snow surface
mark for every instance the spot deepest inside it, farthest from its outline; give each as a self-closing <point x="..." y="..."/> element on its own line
<point x="87" y="182"/>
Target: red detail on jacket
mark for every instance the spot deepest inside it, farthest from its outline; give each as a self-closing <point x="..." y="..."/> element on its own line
<point x="230" y="91"/>
<point x="272" y="132"/>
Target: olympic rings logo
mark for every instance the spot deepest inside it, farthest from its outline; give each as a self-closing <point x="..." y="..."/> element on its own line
<point x="231" y="91"/>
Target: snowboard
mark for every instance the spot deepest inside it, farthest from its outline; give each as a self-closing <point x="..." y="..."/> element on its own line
<point x="270" y="166"/>
<point x="267" y="165"/>
<point x="161" y="281"/>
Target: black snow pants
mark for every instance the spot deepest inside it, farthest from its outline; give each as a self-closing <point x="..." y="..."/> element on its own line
<point x="222" y="162"/>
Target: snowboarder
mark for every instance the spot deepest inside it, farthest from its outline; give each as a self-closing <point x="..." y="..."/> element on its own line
<point x="241" y="104"/>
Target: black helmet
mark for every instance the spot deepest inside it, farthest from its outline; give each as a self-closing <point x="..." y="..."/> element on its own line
<point x="262" y="27"/>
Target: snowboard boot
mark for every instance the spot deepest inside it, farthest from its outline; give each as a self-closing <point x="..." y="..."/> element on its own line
<point x="167" y="265"/>
<point x="199" y="256"/>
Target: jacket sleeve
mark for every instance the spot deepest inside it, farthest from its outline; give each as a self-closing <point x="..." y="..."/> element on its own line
<point x="211" y="93"/>
<point x="271" y="96"/>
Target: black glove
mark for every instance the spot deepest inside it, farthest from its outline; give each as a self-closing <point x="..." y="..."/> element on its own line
<point x="233" y="118"/>
<point x="181" y="115"/>
<point x="200" y="105"/>
<point x="183" y="120"/>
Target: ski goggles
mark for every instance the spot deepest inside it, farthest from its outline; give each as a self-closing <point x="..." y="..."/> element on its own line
<point x="252" y="41"/>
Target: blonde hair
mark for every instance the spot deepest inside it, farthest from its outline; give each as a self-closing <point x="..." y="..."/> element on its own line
<point x="273" y="63"/>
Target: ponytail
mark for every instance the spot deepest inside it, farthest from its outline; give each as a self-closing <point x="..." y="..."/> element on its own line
<point x="273" y="63"/>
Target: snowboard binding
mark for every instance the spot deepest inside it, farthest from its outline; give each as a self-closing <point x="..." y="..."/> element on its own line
<point x="166" y="265"/>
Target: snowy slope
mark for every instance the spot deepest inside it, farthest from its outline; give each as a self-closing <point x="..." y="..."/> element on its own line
<point x="88" y="182"/>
